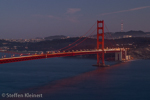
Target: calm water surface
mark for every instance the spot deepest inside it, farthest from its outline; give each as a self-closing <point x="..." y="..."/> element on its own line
<point x="128" y="81"/>
<point x="21" y="75"/>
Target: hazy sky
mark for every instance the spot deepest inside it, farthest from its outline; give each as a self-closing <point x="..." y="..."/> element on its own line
<point x="41" y="18"/>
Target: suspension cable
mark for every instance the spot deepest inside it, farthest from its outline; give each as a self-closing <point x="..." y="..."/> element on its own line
<point x="78" y="39"/>
<point x="81" y="41"/>
<point x="110" y="34"/>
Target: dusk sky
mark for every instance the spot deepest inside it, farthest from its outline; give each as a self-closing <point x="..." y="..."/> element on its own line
<point x="41" y="18"/>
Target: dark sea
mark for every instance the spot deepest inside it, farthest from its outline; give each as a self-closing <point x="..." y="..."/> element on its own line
<point x="76" y="79"/>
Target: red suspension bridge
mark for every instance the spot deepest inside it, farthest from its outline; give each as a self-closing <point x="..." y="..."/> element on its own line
<point x="120" y="53"/>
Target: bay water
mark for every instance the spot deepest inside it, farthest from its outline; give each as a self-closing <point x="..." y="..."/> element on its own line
<point x="128" y="81"/>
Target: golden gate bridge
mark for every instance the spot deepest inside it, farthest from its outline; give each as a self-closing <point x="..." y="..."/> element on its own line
<point x="120" y="53"/>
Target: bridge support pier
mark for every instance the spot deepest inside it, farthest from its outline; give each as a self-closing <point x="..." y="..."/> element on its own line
<point x="120" y="56"/>
<point x="100" y="57"/>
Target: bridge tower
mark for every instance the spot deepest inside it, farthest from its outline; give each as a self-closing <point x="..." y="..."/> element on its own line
<point x="100" y="44"/>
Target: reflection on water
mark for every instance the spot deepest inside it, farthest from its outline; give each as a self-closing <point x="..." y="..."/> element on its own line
<point x="21" y="75"/>
<point x="76" y="79"/>
<point x="126" y="81"/>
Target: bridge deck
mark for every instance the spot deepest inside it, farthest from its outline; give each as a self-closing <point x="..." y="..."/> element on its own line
<point x="61" y="54"/>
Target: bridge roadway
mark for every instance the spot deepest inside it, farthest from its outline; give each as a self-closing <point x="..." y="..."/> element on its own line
<point x="61" y="54"/>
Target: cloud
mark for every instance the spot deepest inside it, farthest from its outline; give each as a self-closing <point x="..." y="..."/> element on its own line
<point x="68" y="16"/>
<point x="47" y="16"/>
<point x="73" y="10"/>
<point x="126" y="10"/>
<point x="71" y="16"/>
<point x="139" y="8"/>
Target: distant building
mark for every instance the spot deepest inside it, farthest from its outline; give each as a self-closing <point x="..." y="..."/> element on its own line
<point x="127" y="36"/>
